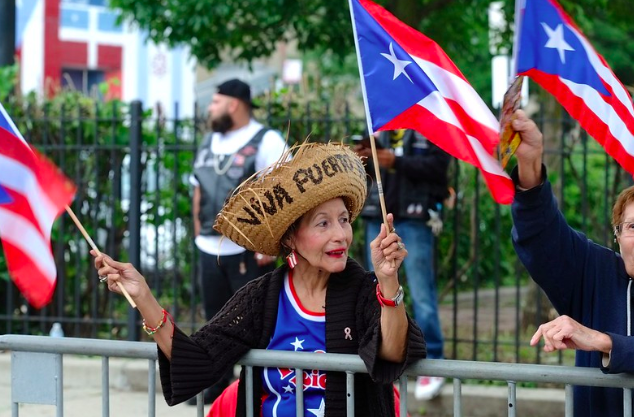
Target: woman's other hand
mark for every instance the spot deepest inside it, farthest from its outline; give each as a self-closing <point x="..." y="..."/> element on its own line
<point x="566" y="333"/>
<point x="388" y="252"/>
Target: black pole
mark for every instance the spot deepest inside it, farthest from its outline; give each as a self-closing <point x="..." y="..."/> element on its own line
<point x="7" y="32"/>
<point x="134" y="215"/>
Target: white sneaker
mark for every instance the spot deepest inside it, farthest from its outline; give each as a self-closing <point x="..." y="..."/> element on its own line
<point x="428" y="387"/>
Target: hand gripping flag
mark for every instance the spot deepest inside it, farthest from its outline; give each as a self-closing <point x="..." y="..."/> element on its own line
<point x="410" y="83"/>
<point x="38" y="193"/>
<point x="554" y="53"/>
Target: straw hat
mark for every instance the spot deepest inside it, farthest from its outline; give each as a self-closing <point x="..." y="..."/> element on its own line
<point x="261" y="209"/>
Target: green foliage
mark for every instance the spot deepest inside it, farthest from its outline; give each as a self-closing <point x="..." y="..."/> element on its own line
<point x="8" y="79"/>
<point x="616" y="43"/>
<point x="242" y="31"/>
<point x="320" y="116"/>
<point x="90" y="142"/>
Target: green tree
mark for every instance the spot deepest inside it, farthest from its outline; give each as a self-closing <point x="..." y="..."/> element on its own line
<point x="242" y="31"/>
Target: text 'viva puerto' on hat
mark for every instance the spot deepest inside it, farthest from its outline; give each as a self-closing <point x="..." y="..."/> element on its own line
<point x="259" y="212"/>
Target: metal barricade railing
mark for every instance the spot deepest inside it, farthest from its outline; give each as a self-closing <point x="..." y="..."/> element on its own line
<point x="49" y="372"/>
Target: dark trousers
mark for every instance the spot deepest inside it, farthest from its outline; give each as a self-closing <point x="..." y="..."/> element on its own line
<point x="220" y="277"/>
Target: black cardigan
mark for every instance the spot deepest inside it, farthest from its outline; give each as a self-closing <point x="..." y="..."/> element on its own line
<point x="247" y="322"/>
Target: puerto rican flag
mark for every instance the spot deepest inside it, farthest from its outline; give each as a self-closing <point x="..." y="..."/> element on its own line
<point x="35" y="194"/>
<point x="410" y="83"/>
<point x="555" y="53"/>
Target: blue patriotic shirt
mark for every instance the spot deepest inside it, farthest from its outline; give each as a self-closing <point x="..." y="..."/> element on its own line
<point x="296" y="329"/>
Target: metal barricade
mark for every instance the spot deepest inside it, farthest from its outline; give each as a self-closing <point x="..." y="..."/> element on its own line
<point x="37" y="367"/>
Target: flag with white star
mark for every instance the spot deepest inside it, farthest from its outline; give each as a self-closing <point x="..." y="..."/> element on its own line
<point x="410" y="83"/>
<point x="554" y="53"/>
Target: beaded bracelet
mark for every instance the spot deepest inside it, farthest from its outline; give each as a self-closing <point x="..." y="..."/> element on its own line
<point x="152" y="330"/>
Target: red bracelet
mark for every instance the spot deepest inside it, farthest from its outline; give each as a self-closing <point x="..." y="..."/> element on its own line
<point x="152" y="330"/>
<point x="390" y="302"/>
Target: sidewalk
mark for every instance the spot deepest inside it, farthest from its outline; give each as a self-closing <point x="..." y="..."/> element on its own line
<point x="82" y="390"/>
<point x="128" y="395"/>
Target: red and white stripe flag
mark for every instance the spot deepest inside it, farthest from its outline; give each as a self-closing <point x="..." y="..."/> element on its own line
<point x="554" y="52"/>
<point x="410" y="83"/>
<point x="38" y="193"/>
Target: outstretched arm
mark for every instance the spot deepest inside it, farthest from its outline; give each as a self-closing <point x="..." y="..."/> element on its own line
<point x="137" y="287"/>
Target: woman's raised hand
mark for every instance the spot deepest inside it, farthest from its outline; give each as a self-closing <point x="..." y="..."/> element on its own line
<point x="388" y="252"/>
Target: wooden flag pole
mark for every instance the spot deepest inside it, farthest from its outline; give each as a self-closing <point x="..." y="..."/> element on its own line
<point x="379" y="187"/>
<point x="94" y="247"/>
<point x="379" y="184"/>
<point x="377" y="171"/>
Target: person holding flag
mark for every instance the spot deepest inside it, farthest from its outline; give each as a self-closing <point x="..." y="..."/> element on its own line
<point x="322" y="301"/>
<point x="589" y="285"/>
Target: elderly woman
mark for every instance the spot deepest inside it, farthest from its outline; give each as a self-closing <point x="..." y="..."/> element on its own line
<point x="322" y="301"/>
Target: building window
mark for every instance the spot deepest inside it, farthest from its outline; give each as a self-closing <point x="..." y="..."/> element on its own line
<point x="102" y="3"/>
<point x="84" y="80"/>
<point x="74" y="18"/>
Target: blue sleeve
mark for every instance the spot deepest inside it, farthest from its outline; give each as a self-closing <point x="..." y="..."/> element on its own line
<point x="553" y="253"/>
<point x="621" y="355"/>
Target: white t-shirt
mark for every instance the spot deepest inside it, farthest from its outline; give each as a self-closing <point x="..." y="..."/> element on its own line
<point x="269" y="152"/>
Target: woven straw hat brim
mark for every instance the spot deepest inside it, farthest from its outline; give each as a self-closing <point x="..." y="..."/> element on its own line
<point x="259" y="212"/>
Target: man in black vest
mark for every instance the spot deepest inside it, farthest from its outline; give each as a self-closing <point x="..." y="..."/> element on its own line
<point x="238" y="147"/>
<point x="414" y="177"/>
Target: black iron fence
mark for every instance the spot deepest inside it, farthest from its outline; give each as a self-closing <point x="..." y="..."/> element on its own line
<point x="131" y="168"/>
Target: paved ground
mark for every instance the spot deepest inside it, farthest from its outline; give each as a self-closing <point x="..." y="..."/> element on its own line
<point x="82" y="391"/>
<point x="485" y="312"/>
<point x="87" y="403"/>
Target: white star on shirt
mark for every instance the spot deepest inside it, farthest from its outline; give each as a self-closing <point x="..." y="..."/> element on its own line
<point x="556" y="40"/>
<point x="399" y="65"/>
<point x="288" y="388"/>
<point x="319" y="412"/>
<point x="297" y="344"/>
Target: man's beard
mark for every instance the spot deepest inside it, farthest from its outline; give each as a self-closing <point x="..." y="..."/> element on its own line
<point x="222" y="124"/>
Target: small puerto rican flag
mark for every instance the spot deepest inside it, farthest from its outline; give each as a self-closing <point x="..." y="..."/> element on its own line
<point x="291" y="259"/>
